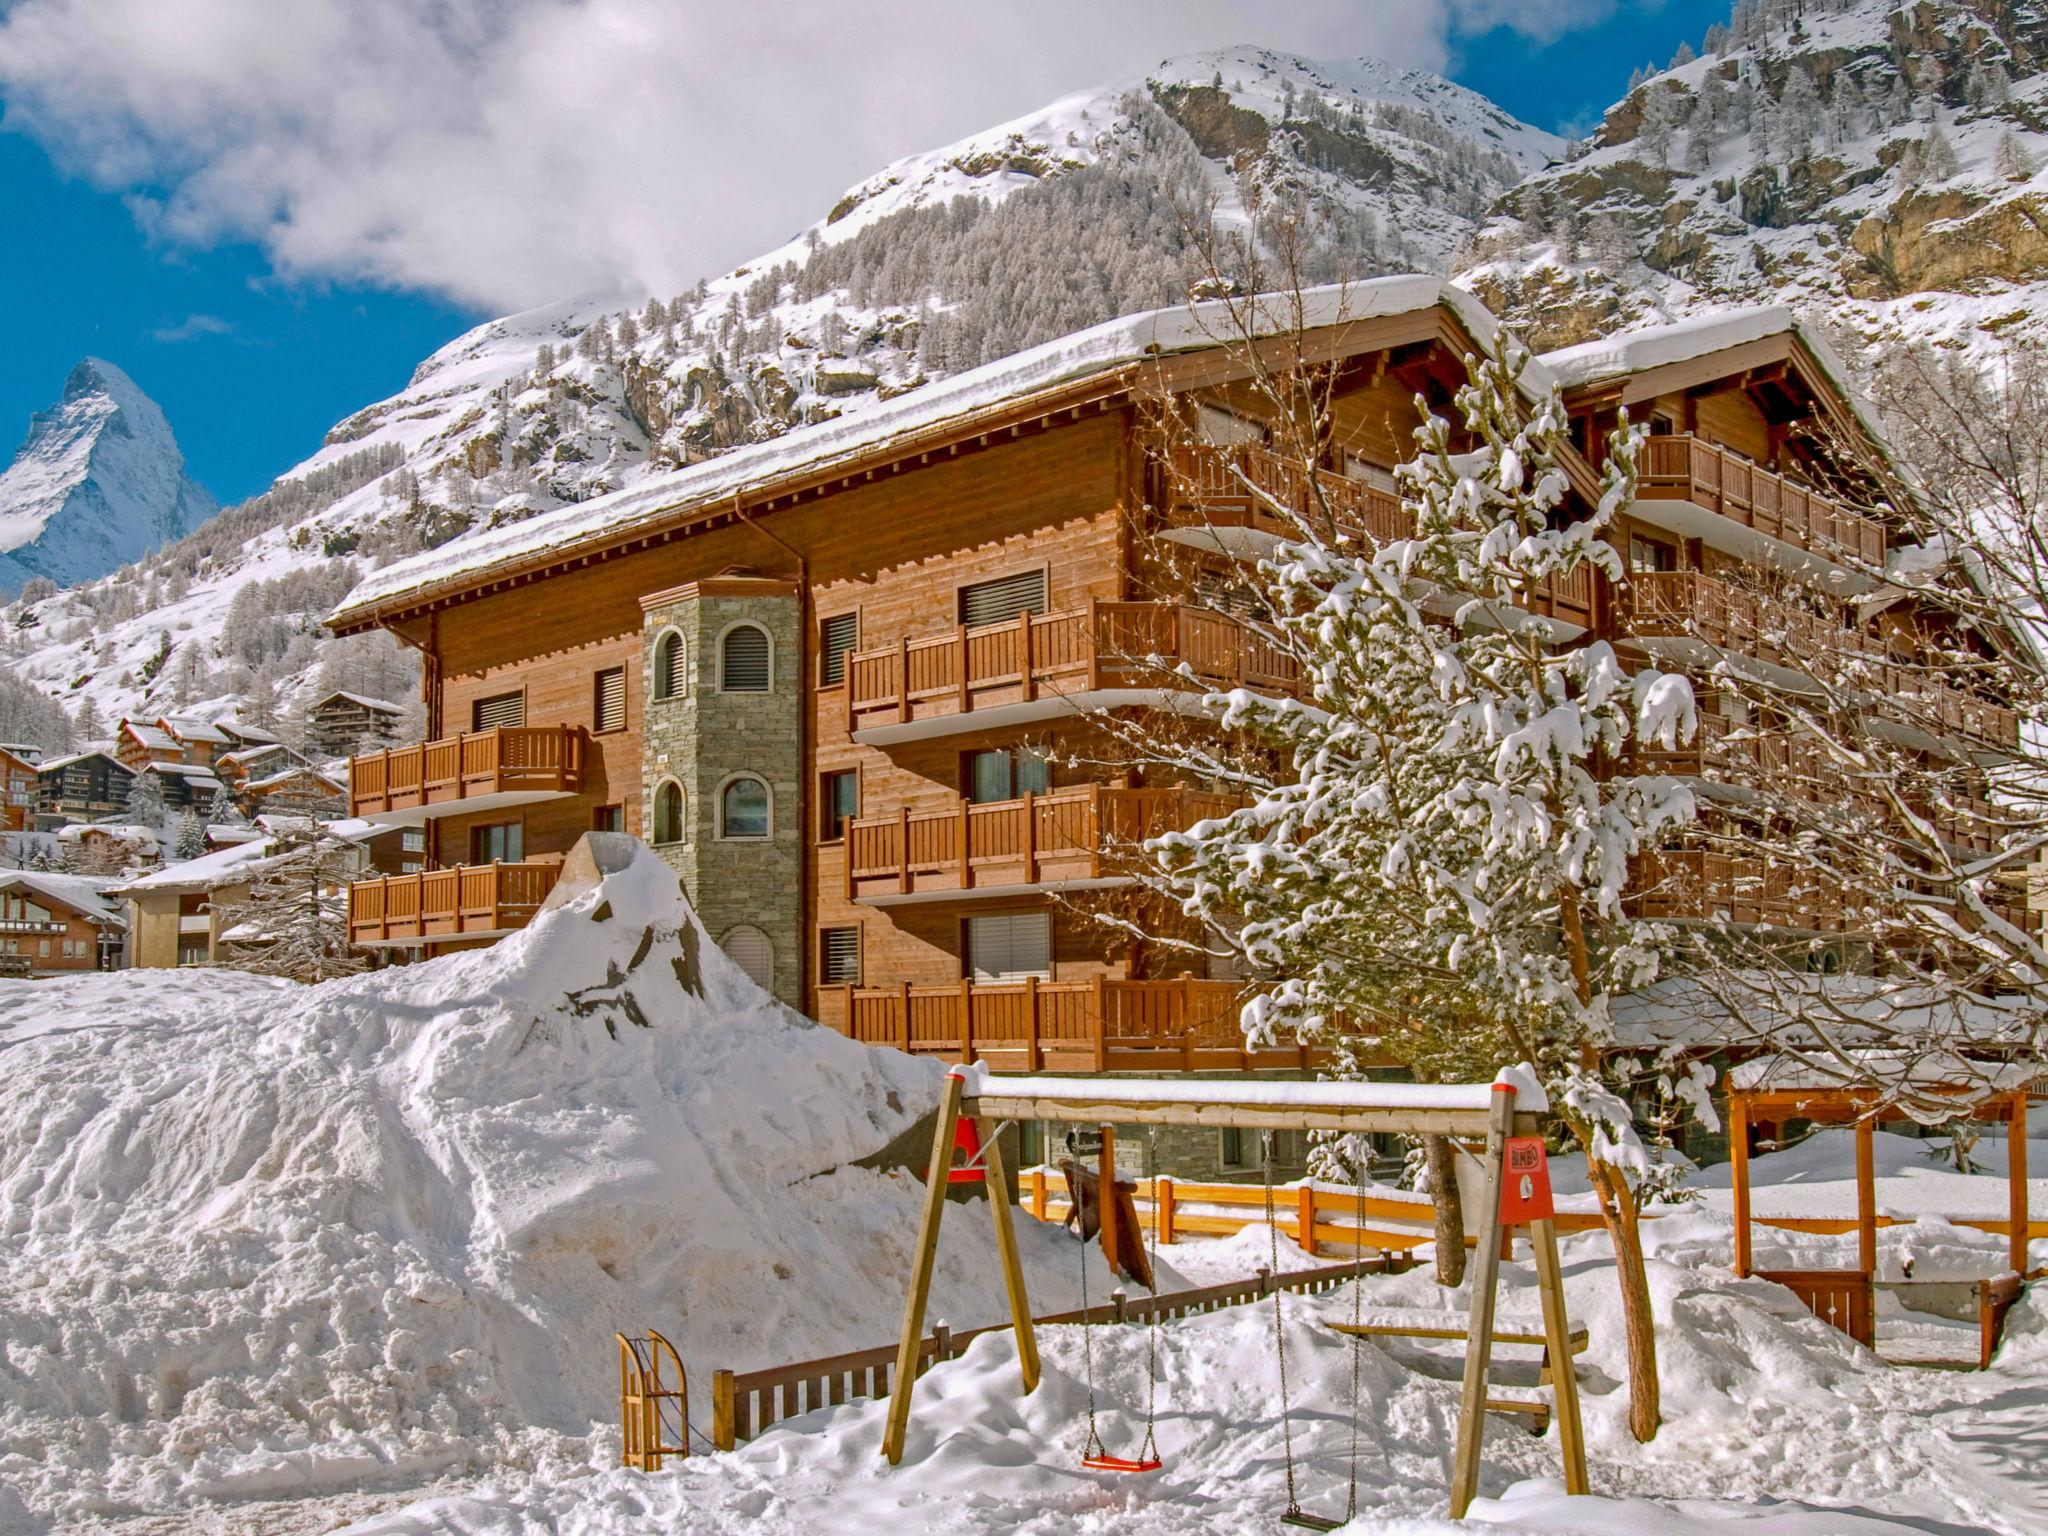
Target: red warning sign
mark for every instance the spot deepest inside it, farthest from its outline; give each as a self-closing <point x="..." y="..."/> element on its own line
<point x="1526" y="1196"/>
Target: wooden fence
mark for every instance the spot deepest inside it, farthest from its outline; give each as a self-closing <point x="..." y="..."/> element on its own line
<point x="744" y="1403"/>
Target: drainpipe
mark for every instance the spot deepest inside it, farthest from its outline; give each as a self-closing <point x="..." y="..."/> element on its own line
<point x="806" y="706"/>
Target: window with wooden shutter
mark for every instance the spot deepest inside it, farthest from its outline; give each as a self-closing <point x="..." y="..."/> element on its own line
<point x="751" y="952"/>
<point x="837" y="636"/>
<point x="670" y="673"/>
<point x="743" y="662"/>
<point x="839" y="957"/>
<point x="1010" y="946"/>
<point x="998" y="602"/>
<point x="668" y="813"/>
<point x="610" y="710"/>
<point x="501" y="711"/>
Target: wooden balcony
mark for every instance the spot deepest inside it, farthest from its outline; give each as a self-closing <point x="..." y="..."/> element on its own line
<point x="1061" y="1026"/>
<point x="1069" y="834"/>
<point x="1698" y="885"/>
<point x="1244" y="486"/>
<point x="1040" y="657"/>
<point x="469" y="901"/>
<point x="1690" y="605"/>
<point x="1685" y="468"/>
<point x="1209" y="489"/>
<point x="476" y="770"/>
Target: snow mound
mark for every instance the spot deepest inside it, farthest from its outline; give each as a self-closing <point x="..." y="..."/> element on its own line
<point x="260" y="1239"/>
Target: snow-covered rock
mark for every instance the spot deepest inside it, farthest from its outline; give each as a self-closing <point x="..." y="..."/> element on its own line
<point x="258" y="1238"/>
<point x="97" y="482"/>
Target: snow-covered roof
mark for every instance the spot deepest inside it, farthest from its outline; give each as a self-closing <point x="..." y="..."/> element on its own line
<point x="81" y="893"/>
<point x="1888" y="1070"/>
<point x="375" y="706"/>
<point x="1659" y="346"/>
<point x="126" y="831"/>
<point x="255" y="734"/>
<point x="154" y="737"/>
<point x="296" y="771"/>
<point x="189" y="728"/>
<point x="247" y="755"/>
<point x="193" y="773"/>
<point x="1097" y="351"/>
<point x="239" y="861"/>
<point x="52" y="765"/>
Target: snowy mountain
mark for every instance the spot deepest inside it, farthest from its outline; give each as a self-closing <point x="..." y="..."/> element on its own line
<point x="1102" y="203"/>
<point x="1878" y="166"/>
<point x="98" y="482"/>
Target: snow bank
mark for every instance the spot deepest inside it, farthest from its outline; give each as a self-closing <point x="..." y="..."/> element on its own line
<point x="264" y="1239"/>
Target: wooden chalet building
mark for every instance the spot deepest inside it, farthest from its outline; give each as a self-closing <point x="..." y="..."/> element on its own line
<point x="18" y="789"/>
<point x="342" y="724"/>
<point x="55" y="925"/>
<point x="85" y="786"/>
<point x="819" y="676"/>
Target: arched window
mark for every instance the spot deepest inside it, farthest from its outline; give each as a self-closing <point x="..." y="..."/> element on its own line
<point x="751" y="952"/>
<point x="745" y="660"/>
<point x="744" y="809"/>
<point x="671" y="678"/>
<point x="668" y="813"/>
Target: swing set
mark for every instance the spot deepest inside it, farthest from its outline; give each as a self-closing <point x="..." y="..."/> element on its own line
<point x="1506" y="1114"/>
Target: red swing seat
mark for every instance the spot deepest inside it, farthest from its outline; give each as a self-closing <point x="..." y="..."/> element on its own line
<point x="1107" y="1463"/>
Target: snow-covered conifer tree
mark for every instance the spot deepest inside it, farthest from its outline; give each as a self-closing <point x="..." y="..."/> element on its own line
<point x="146" y="806"/>
<point x="1437" y="838"/>
<point x="294" y="922"/>
<point x="190" y="842"/>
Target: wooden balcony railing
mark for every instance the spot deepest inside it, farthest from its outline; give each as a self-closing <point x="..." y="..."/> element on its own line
<point x="447" y="903"/>
<point x="1685" y="468"/>
<point x="1069" y="834"/>
<point x="444" y="773"/>
<point x="1692" y="604"/>
<point x="1239" y="487"/>
<point x="1696" y="884"/>
<point x="1060" y="1026"/>
<point x="1041" y="655"/>
<point x="1209" y="488"/>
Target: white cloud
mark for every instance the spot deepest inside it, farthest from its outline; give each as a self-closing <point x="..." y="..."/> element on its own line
<point x="508" y="152"/>
<point x="192" y="326"/>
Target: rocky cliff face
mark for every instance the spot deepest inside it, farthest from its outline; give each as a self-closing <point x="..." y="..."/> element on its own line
<point x="97" y="482"/>
<point x="1876" y="165"/>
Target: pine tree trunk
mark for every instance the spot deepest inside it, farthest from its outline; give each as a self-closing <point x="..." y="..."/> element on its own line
<point x="1450" y="1210"/>
<point x="1618" y="1211"/>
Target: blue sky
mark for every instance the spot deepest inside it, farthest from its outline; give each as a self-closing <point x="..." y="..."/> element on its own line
<point x="253" y="367"/>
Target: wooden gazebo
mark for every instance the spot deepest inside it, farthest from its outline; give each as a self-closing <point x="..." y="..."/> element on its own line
<point x="1862" y="1089"/>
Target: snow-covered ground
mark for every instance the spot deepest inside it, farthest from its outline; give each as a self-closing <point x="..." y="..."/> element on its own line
<point x="1775" y="1425"/>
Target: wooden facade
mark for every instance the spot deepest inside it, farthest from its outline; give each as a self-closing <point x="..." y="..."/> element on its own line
<point x="927" y="818"/>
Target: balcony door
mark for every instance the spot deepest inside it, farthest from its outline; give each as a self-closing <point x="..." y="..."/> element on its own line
<point x="1005" y="775"/>
<point x="499" y="842"/>
<point x="1010" y="946"/>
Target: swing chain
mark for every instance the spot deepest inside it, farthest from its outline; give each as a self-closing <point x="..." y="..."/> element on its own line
<point x="1150" y="1450"/>
<point x="1358" y="1163"/>
<point x="1279" y="1327"/>
<point x="1093" y="1447"/>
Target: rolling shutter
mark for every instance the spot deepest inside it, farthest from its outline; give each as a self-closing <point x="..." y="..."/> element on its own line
<point x="752" y="953"/>
<point x="1010" y="946"/>
<point x="839" y="957"/>
<point x="611" y="699"/>
<point x="836" y="636"/>
<point x="499" y="711"/>
<point x="997" y="602"/>
<point x="743" y="661"/>
<point x="669" y="672"/>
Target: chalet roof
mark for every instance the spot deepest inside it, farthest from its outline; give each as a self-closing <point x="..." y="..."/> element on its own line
<point x="237" y="861"/>
<point x="192" y="728"/>
<point x="375" y="706"/>
<point x="1881" y="1070"/>
<point x="192" y="773"/>
<point x="154" y="737"/>
<point x="1096" y="353"/>
<point x="244" y="756"/>
<point x="249" y="735"/>
<point x="82" y="894"/>
<point x="1592" y="363"/>
<point x="125" y="831"/>
<point x="57" y="764"/>
<point x="296" y="771"/>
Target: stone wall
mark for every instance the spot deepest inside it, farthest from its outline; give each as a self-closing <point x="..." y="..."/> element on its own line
<point x="704" y="737"/>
